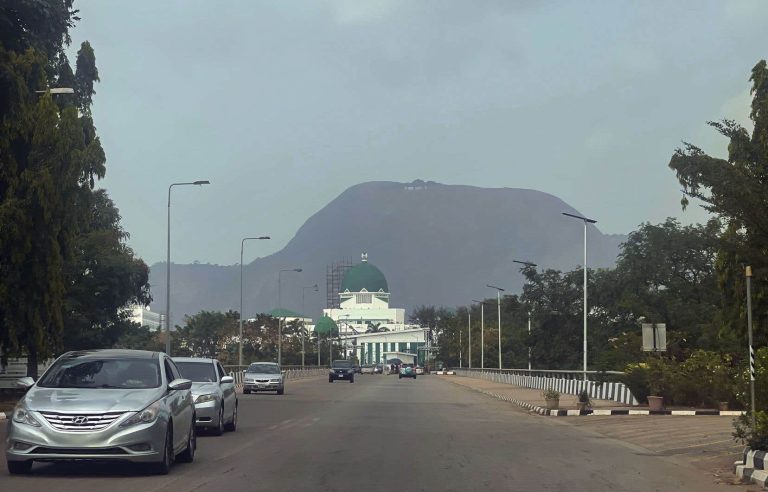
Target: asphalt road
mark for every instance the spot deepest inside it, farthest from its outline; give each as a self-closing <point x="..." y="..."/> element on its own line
<point x="381" y="433"/>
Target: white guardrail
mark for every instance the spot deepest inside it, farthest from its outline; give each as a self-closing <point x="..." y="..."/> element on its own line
<point x="613" y="391"/>
<point x="290" y="372"/>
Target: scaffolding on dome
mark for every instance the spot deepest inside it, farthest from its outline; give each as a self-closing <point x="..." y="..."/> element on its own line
<point x="334" y="274"/>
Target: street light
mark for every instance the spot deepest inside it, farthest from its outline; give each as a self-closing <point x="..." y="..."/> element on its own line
<point x="303" y="290"/>
<point x="168" y="266"/>
<point x="528" y="264"/>
<point x="499" y="290"/>
<point x="280" y="319"/>
<point x="240" y="346"/>
<point x="586" y="221"/>
<point x="482" y="332"/>
<point x="469" y="335"/>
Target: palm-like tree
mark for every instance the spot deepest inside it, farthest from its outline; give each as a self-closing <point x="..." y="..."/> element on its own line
<point x="375" y="328"/>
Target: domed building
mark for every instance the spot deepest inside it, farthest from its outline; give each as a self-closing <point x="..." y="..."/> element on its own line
<point x="369" y="328"/>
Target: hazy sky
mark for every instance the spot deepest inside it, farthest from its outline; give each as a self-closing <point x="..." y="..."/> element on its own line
<point x="284" y="104"/>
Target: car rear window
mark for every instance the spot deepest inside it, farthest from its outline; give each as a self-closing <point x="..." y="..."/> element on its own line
<point x="342" y="363"/>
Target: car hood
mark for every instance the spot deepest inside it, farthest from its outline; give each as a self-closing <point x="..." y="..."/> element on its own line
<point x="204" y="388"/>
<point x="90" y="399"/>
<point x="260" y="375"/>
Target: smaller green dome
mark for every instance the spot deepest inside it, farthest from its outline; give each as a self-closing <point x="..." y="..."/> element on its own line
<point x="326" y="326"/>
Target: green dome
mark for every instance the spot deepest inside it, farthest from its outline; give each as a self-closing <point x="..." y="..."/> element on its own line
<point x="364" y="276"/>
<point x="325" y="326"/>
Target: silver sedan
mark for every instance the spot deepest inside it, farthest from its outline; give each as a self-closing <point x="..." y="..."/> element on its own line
<point x="213" y="391"/>
<point x="104" y="405"/>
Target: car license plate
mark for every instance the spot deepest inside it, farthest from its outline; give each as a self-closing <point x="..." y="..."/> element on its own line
<point x="262" y="386"/>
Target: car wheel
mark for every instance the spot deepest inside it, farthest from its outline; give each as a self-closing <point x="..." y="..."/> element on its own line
<point x="414" y="377"/>
<point x="164" y="466"/>
<point x="399" y="376"/>
<point x="330" y="380"/>
<point x="188" y="455"/>
<point x="246" y="392"/>
<point x="19" y="467"/>
<point x="232" y="426"/>
<point x="280" y="391"/>
<point x="352" y="380"/>
<point x="219" y="429"/>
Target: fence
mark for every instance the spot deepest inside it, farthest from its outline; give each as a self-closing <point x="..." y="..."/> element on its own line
<point x="568" y="382"/>
<point x="291" y="372"/>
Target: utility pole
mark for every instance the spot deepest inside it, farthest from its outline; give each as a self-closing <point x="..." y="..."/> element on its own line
<point x="751" y="347"/>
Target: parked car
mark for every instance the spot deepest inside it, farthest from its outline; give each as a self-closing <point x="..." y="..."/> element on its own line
<point x="213" y="392"/>
<point x="341" y="369"/>
<point x="264" y="376"/>
<point x="104" y="405"/>
<point x="419" y="370"/>
<point x="367" y="369"/>
<point x="407" y="371"/>
<point x="378" y="369"/>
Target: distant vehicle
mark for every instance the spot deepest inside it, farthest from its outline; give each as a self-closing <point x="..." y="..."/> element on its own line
<point x="367" y="369"/>
<point x="419" y="370"/>
<point x="264" y="376"/>
<point x="407" y="371"/>
<point x="213" y="392"/>
<point x="341" y="369"/>
<point x="104" y="405"/>
<point x="378" y="369"/>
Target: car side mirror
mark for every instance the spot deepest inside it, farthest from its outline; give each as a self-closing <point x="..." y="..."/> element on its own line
<point x="25" y="383"/>
<point x="283" y="371"/>
<point x="245" y="370"/>
<point x="227" y="379"/>
<point x="180" y="384"/>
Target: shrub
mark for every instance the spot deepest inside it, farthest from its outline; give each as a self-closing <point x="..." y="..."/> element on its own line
<point x="550" y="394"/>
<point x="755" y="438"/>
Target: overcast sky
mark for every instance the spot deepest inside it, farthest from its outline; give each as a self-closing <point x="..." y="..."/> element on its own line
<point x="282" y="105"/>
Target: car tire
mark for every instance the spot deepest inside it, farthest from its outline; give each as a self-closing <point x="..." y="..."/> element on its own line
<point x="219" y="429"/>
<point x="330" y="380"/>
<point x="246" y="392"/>
<point x="399" y="376"/>
<point x="19" y="467"/>
<point x="351" y="380"/>
<point x="280" y="391"/>
<point x="232" y="426"/>
<point x="188" y="455"/>
<point x="165" y="464"/>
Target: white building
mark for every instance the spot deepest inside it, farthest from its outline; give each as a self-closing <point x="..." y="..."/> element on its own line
<point x="368" y="327"/>
<point x="145" y="317"/>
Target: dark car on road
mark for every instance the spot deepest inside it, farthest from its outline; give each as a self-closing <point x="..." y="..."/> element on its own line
<point x="407" y="371"/>
<point x="341" y="369"/>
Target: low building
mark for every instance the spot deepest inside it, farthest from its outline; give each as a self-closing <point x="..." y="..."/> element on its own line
<point x="145" y="317"/>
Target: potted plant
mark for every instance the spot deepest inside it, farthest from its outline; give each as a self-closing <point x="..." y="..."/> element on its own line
<point x="584" y="402"/>
<point x="655" y="402"/>
<point x="552" y="398"/>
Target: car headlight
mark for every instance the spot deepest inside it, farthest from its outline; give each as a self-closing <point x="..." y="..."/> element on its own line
<point x="249" y="380"/>
<point x="275" y="380"/>
<point x="22" y="415"/>
<point x="205" y="398"/>
<point x="331" y="372"/>
<point x="145" y="416"/>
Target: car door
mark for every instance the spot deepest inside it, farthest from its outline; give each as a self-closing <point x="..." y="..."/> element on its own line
<point x="227" y="391"/>
<point x="178" y="405"/>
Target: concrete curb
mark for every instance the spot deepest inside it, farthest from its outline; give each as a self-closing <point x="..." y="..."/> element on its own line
<point x="574" y="413"/>
<point x="752" y="467"/>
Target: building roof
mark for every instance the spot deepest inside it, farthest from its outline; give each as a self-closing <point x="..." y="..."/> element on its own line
<point x="326" y="326"/>
<point x="284" y="313"/>
<point x="364" y="276"/>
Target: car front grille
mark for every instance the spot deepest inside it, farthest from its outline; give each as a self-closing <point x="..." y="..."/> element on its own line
<point x="85" y="451"/>
<point x="81" y="421"/>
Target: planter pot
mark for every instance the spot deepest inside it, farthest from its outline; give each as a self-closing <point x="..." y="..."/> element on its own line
<point x="553" y="403"/>
<point x="582" y="406"/>
<point x="723" y="407"/>
<point x="655" y="403"/>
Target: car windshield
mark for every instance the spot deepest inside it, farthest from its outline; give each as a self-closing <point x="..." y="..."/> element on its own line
<point x="199" y="372"/>
<point x="102" y="373"/>
<point x="264" y="368"/>
<point x="342" y="364"/>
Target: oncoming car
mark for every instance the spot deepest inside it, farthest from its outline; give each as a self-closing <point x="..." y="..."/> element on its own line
<point x="264" y="376"/>
<point x="341" y="369"/>
<point x="105" y="405"/>
<point x="213" y="392"/>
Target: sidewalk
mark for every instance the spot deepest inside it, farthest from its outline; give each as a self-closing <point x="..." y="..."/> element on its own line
<point x="704" y="441"/>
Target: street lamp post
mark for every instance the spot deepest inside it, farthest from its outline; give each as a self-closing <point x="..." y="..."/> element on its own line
<point x="499" y="290"/>
<point x="586" y="221"/>
<point x="482" y="332"/>
<point x="469" y="335"/>
<point x="240" y="345"/>
<point x="303" y="290"/>
<point x="748" y="274"/>
<point x="168" y="266"/>
<point x="280" y="318"/>
<point x="528" y="264"/>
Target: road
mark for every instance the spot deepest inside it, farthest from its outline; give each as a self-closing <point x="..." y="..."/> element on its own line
<point x="385" y="434"/>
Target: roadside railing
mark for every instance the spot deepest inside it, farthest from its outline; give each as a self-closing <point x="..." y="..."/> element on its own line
<point x="599" y="386"/>
<point x="291" y="372"/>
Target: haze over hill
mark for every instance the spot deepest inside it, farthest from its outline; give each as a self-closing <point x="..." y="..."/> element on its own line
<point x="436" y="244"/>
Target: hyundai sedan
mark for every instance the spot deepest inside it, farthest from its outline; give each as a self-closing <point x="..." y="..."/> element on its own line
<point x="104" y="405"/>
<point x="213" y="392"/>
